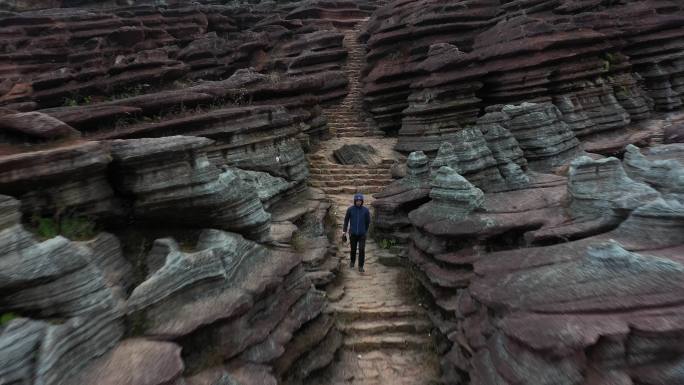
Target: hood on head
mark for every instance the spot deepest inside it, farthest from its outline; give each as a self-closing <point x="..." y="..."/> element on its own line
<point x="358" y="197"/>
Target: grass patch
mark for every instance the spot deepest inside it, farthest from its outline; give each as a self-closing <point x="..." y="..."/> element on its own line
<point x="387" y="243"/>
<point x="72" y="227"/>
<point x="76" y="100"/>
<point x="6" y="318"/>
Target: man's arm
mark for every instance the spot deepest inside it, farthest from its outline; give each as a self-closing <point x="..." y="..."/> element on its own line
<point x="346" y="220"/>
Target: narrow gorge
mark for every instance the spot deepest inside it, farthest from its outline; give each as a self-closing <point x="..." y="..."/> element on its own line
<point x="174" y="177"/>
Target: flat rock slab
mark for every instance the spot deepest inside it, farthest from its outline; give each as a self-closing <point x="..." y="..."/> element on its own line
<point x="36" y="125"/>
<point x="136" y="362"/>
<point x="350" y="154"/>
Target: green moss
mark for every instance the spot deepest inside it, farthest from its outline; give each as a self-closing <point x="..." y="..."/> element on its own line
<point x="74" y="228"/>
<point x="6" y="318"/>
<point x="387" y="243"/>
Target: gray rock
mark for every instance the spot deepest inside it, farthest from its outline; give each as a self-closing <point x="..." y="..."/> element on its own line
<point x="69" y="179"/>
<point x="545" y="139"/>
<point x="351" y="154"/>
<point x="194" y="289"/>
<point x="574" y="115"/>
<point x="453" y="198"/>
<point x="601" y="187"/>
<point x="446" y="156"/>
<point x="173" y="181"/>
<point x="631" y="96"/>
<point x="394" y="203"/>
<point x="666" y="176"/>
<point x="602" y="107"/>
<point x="655" y="225"/>
<point x="76" y="283"/>
<point x="505" y="150"/>
<point x="20" y="342"/>
<point x="417" y="166"/>
<point x="269" y="188"/>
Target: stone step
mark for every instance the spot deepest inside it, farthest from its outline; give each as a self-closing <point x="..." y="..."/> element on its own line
<point x="333" y="178"/>
<point x="349" y="314"/>
<point x="350" y="181"/>
<point x="356" y="171"/>
<point x="352" y="190"/>
<point x="408" y="325"/>
<point x="388" y="341"/>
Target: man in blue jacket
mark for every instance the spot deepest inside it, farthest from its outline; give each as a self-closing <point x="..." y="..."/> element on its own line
<point x="357" y="220"/>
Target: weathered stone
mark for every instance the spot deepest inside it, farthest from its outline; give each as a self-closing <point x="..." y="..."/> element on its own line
<point x="356" y="154"/>
<point x="221" y="280"/>
<point x="602" y="188"/>
<point x="545" y="139"/>
<point x="57" y="279"/>
<point x="71" y="179"/>
<point x="393" y="204"/>
<point x="172" y="180"/>
<point x="666" y="176"/>
<point x="36" y="125"/>
<point x="452" y="198"/>
<point x="135" y="362"/>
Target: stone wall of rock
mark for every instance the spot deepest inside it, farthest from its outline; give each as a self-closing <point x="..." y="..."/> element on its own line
<point x="565" y="280"/>
<point x="433" y="68"/>
<point x="225" y="306"/>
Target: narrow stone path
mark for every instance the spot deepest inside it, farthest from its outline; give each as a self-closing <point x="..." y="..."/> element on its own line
<point x="386" y="330"/>
<point x="346" y="119"/>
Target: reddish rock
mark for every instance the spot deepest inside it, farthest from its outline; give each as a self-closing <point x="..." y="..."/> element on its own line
<point x="135" y="362"/>
<point x="36" y="125"/>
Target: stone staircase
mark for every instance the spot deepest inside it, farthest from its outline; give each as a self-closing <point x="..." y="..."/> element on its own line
<point x="335" y="178"/>
<point x="387" y="334"/>
<point x="347" y="118"/>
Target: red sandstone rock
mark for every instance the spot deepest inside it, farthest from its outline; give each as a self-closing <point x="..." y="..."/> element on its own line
<point x="36" y="125"/>
<point x="136" y="362"/>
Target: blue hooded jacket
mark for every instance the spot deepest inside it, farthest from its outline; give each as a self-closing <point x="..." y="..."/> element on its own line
<point x="357" y="218"/>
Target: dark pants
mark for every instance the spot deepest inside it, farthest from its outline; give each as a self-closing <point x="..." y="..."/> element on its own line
<point x="360" y="241"/>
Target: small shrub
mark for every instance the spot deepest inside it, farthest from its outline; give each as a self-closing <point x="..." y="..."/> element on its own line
<point x="387" y="243"/>
<point x="5" y="318"/>
<point x="77" y="100"/>
<point x="74" y="228"/>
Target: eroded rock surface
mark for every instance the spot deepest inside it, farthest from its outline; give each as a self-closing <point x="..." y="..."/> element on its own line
<point x="562" y="281"/>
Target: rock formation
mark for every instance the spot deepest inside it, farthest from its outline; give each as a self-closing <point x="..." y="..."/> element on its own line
<point x="433" y="67"/>
<point x="605" y="268"/>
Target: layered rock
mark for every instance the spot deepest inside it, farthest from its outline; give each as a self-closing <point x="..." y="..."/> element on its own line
<point x="401" y="197"/>
<point x="545" y="139"/>
<point x="72" y="293"/>
<point x="361" y="154"/>
<point x="35" y="126"/>
<point x="529" y="281"/>
<point x="235" y="297"/>
<point x="70" y="179"/>
<point x="171" y="179"/>
<point x="606" y="66"/>
<point x="664" y="175"/>
<point x="601" y="188"/>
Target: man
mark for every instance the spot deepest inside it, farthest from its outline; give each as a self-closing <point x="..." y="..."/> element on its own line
<point x="357" y="220"/>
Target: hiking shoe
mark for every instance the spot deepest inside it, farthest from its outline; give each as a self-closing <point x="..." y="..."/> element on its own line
<point x="361" y="270"/>
<point x="351" y="265"/>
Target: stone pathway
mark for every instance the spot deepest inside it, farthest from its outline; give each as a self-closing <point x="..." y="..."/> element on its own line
<point x="347" y="119"/>
<point x="386" y="331"/>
